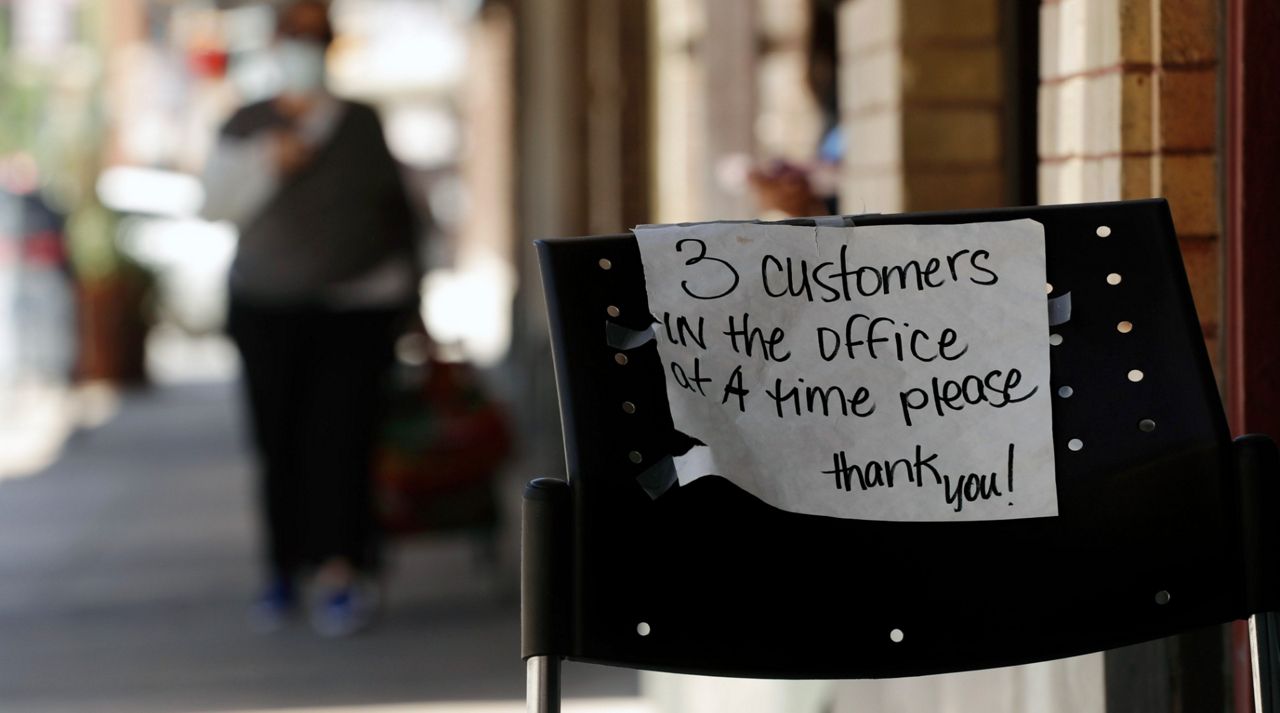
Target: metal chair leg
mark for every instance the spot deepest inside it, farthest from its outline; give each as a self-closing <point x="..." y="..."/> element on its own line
<point x="542" y="684"/>
<point x="1264" y="644"/>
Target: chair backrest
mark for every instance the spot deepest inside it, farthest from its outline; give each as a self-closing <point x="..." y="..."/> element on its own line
<point x="1158" y="531"/>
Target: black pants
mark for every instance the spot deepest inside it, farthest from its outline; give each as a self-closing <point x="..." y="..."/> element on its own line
<point x="315" y="383"/>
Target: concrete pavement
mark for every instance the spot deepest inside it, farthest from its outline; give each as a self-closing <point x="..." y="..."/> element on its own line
<point x="126" y="565"/>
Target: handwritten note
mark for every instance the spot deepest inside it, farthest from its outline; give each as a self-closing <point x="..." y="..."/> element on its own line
<point x="880" y="373"/>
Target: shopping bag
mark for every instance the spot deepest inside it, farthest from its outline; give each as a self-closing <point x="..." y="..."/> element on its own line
<point x="441" y="445"/>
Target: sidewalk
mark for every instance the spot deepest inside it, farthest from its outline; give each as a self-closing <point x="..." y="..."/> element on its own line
<point x="126" y="565"/>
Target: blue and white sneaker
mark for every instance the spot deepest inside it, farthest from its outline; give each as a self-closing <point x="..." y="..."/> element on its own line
<point x="343" y="611"/>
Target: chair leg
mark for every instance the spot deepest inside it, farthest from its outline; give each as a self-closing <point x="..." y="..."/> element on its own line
<point x="542" y="684"/>
<point x="1264" y="644"/>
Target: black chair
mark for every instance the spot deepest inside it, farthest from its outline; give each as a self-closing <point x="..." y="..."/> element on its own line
<point x="1162" y="525"/>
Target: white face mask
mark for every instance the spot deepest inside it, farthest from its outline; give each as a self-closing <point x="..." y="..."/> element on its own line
<point x="301" y="66"/>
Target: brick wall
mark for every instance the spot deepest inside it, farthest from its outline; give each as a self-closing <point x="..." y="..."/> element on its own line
<point x="922" y="104"/>
<point x="1128" y="109"/>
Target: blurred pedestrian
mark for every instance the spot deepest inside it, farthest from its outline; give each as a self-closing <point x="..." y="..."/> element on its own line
<point x="37" y="300"/>
<point x="325" y="271"/>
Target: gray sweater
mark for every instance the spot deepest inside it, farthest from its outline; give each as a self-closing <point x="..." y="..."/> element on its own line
<point x="339" y="217"/>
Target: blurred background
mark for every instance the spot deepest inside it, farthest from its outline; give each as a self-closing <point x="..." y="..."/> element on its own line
<point x="127" y="531"/>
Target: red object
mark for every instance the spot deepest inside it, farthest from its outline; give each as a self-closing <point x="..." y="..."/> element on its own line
<point x="208" y="63"/>
<point x="44" y="249"/>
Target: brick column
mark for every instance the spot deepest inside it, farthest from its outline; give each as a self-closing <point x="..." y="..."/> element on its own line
<point x="921" y="95"/>
<point x="1128" y="109"/>
<point x="1187" y="168"/>
<point x="788" y="121"/>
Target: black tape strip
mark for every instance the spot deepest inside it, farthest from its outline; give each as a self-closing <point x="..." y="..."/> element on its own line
<point x="1059" y="310"/>
<point x="623" y="338"/>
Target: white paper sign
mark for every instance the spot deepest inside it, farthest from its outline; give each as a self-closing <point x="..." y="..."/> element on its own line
<point x="880" y="373"/>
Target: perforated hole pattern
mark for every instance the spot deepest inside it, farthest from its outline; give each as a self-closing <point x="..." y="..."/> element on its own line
<point x="1093" y="357"/>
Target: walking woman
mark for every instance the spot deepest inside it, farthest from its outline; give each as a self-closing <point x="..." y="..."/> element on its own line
<point x="325" y="270"/>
